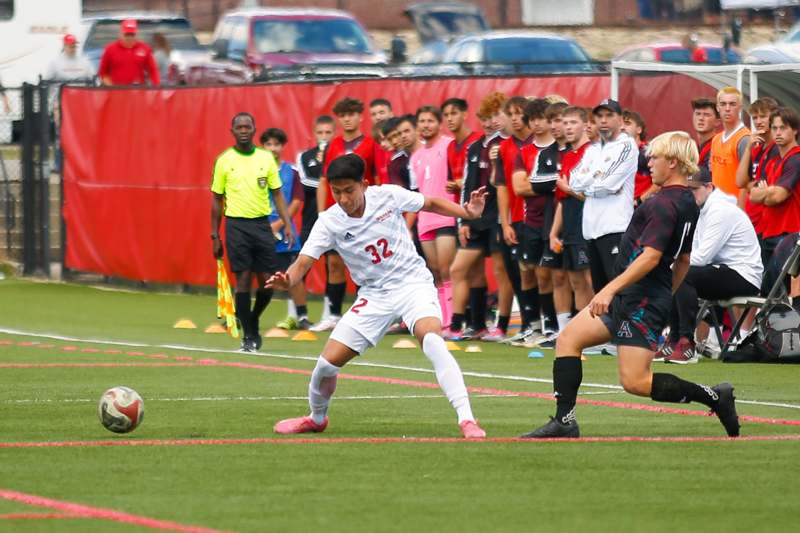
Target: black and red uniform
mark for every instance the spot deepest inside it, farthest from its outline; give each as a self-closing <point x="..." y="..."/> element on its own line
<point x="363" y="146"/>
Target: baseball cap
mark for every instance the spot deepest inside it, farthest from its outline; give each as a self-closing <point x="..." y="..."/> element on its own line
<point x="70" y="39"/>
<point x="129" y="26"/>
<point x="700" y="178"/>
<point x="611" y="105"/>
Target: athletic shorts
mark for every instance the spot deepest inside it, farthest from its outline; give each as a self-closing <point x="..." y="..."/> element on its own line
<point x="375" y="310"/>
<point x="284" y="260"/>
<point x="638" y="320"/>
<point x="531" y="244"/>
<point x="550" y="259"/>
<point x="575" y="257"/>
<point x="250" y="244"/>
<point x="483" y="239"/>
<point x="438" y="232"/>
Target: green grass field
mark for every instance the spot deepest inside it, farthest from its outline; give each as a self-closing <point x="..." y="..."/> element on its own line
<point x="207" y="458"/>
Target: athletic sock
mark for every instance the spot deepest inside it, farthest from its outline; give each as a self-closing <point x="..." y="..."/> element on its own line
<point x="243" y="311"/>
<point x="448" y="374"/>
<point x="502" y="322"/>
<point x="291" y="309"/>
<point x="336" y="296"/>
<point x="302" y="310"/>
<point x="567" y="377"/>
<point x="563" y="319"/>
<point x="263" y="297"/>
<point x="672" y="389"/>
<point x="477" y="303"/>
<point x="447" y="300"/>
<point x="457" y="322"/>
<point x="549" y="311"/>
<point x="532" y="306"/>
<point x="320" y="388"/>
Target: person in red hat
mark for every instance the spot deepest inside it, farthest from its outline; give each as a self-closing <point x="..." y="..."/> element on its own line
<point x="70" y="65"/>
<point x="128" y="61"/>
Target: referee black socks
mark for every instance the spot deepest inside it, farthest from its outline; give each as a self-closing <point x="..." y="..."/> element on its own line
<point x="567" y="377"/>
<point x="243" y="310"/>
<point x="672" y="389"/>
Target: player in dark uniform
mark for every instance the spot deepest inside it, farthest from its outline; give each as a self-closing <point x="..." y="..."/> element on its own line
<point x="309" y="166"/>
<point x="633" y="308"/>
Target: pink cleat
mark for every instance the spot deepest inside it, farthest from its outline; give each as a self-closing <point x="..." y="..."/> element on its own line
<point x="303" y="424"/>
<point x="493" y="334"/>
<point x="471" y="430"/>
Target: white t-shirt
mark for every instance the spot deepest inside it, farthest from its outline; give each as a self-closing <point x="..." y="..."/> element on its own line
<point x="377" y="247"/>
<point x="66" y="68"/>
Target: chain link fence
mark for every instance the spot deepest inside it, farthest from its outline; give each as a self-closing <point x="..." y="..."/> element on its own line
<point x="11" y="174"/>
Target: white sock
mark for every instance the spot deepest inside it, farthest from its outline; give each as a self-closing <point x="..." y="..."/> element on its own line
<point x="292" y="308"/>
<point x="562" y="319"/>
<point x="320" y="388"/>
<point x="326" y="311"/>
<point x="448" y="374"/>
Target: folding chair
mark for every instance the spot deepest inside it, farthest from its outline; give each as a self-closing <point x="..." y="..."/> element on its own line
<point x="777" y="294"/>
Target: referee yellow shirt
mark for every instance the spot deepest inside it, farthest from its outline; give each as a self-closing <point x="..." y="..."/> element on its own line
<point x="245" y="180"/>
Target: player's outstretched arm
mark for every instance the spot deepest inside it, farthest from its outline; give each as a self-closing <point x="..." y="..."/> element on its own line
<point x="643" y="264"/>
<point x="283" y="281"/>
<point x="469" y="211"/>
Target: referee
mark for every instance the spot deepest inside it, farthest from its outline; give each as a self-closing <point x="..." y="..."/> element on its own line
<point x="245" y="177"/>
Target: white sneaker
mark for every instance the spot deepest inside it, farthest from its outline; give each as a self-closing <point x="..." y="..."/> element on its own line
<point x="532" y="340"/>
<point x="326" y="324"/>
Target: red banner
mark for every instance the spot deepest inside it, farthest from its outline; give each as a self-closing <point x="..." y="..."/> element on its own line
<point x="138" y="162"/>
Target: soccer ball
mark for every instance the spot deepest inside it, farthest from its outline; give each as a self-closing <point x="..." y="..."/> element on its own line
<point x="120" y="409"/>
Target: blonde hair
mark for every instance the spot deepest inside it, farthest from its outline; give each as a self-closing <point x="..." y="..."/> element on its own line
<point x="729" y="90"/>
<point x="676" y="146"/>
<point x="555" y="99"/>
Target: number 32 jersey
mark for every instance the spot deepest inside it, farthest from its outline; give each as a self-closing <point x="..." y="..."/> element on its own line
<point x="377" y="247"/>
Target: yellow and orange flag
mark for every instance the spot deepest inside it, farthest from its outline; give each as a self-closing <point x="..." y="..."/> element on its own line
<point x="226" y="308"/>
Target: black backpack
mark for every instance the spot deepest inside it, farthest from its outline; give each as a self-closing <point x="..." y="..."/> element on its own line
<point x="775" y="339"/>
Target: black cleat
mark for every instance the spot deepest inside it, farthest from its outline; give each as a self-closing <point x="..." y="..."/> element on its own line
<point x="257" y="342"/>
<point x="555" y="430"/>
<point x="726" y="408"/>
<point x="248" y="345"/>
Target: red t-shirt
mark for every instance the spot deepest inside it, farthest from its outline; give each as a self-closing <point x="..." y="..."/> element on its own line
<point x="382" y="158"/>
<point x="509" y="149"/>
<point x="784" y="217"/>
<point x="127" y="66"/>
<point x="363" y="146"/>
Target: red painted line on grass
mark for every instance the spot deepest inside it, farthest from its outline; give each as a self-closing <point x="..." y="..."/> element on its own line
<point x="69" y="348"/>
<point x="6" y="342"/>
<point x="90" y="365"/>
<point x="377" y="440"/>
<point x="112" y="352"/>
<point x="39" y="516"/>
<point x="100" y="513"/>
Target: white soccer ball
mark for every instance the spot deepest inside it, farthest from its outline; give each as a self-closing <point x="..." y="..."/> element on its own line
<point x="121" y="409"/>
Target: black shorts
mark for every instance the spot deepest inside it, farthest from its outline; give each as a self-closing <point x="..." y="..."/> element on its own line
<point x="550" y="259"/>
<point x="283" y="260"/>
<point x="483" y="239"/>
<point x="530" y="244"/>
<point x="250" y="244"/>
<point x="576" y="257"/>
<point x="635" y="319"/>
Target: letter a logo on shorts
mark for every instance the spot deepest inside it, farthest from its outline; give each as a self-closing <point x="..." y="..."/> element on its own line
<point x="625" y="330"/>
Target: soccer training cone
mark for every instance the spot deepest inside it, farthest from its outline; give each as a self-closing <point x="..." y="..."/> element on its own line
<point x="216" y="328"/>
<point x="304" y="336"/>
<point x="404" y="344"/>
<point x="276" y="333"/>
<point x="453" y="347"/>
<point x="473" y="348"/>
<point x="184" y="323"/>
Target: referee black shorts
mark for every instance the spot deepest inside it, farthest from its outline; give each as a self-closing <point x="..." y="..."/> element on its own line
<point x="250" y="244"/>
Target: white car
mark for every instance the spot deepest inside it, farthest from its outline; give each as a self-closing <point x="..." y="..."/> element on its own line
<point x="784" y="50"/>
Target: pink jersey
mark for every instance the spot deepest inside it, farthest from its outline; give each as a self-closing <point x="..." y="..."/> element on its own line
<point x="429" y="169"/>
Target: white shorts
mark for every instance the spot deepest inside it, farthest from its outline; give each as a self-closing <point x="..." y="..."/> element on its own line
<point x="375" y="310"/>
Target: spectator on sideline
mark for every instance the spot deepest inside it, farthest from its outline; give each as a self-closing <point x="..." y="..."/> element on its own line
<point x="4" y="97"/>
<point x="725" y="262"/>
<point x="605" y="176"/>
<point x="729" y="145"/>
<point x="128" y="61"/>
<point x="161" y="53"/>
<point x="380" y="109"/>
<point x="245" y="180"/>
<point x="309" y="166"/>
<point x="402" y="134"/>
<point x="69" y="65"/>
<point x="761" y="149"/>
<point x="437" y="233"/>
<point x="591" y="126"/>
<point x="705" y="121"/>
<point x="349" y="113"/>
<point x="780" y="195"/>
<point x="697" y="54"/>
<point x="634" y="125"/>
<point x="274" y="140"/>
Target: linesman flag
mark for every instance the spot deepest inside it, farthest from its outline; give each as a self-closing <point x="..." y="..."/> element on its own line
<point x="225" y="305"/>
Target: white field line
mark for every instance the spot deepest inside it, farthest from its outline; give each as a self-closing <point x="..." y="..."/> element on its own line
<point x="506" y="377"/>
<point x="245" y="398"/>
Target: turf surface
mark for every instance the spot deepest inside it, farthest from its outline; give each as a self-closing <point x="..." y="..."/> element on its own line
<point x="196" y="387"/>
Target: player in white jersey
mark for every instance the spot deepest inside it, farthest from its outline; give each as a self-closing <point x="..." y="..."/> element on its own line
<point x="367" y="228"/>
